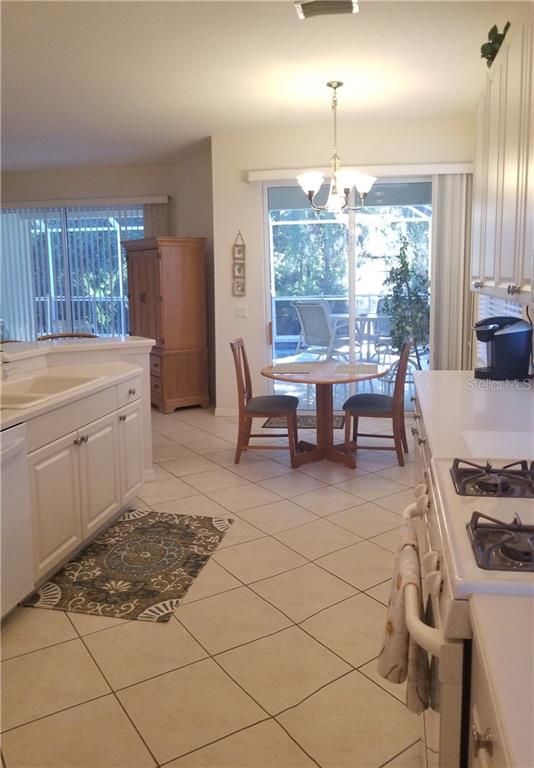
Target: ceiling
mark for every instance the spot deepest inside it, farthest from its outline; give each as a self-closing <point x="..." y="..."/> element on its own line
<point x="93" y="83"/>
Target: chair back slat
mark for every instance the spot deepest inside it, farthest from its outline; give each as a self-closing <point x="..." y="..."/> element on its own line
<point x="400" y="378"/>
<point x="242" y="370"/>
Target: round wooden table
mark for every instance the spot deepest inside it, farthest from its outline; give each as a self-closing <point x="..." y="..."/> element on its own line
<point x="323" y="375"/>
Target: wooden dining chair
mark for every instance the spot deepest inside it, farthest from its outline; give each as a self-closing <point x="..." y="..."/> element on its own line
<point x="49" y="336"/>
<point x="380" y="407"/>
<point x="264" y="406"/>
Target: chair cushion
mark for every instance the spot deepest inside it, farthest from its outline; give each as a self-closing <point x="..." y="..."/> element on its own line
<point x="272" y="404"/>
<point x="369" y="403"/>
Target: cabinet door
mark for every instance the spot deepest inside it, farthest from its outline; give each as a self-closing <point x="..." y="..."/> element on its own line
<point x="99" y="473"/>
<point x="511" y="62"/>
<point x="55" y="497"/>
<point x="152" y="290"/>
<point x="479" y="195"/>
<point x="130" y="450"/>
<point x="494" y="176"/>
<point x="525" y="253"/>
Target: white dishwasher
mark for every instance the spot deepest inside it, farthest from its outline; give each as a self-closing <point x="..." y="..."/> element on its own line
<point x="15" y="516"/>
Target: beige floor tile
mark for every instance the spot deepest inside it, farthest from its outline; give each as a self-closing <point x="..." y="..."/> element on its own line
<point x="160" y="473"/>
<point x="366" y="519"/>
<point x="226" y="458"/>
<point x="212" y="580"/>
<point x="189" y="465"/>
<point x="374" y="461"/>
<point x="353" y="629"/>
<point x="46" y="681"/>
<point x="165" y="451"/>
<point x="214" y="480"/>
<point x="381" y="592"/>
<point x="192" y="505"/>
<point x="233" y="618"/>
<point x="261" y="470"/>
<point x="370" y="487"/>
<point x="279" y="516"/>
<point x="363" y="565"/>
<point x="206" y="443"/>
<point x="326" y="501"/>
<point x="351" y="723"/>
<point x="317" y="538"/>
<point x="331" y="473"/>
<point x="189" y="708"/>
<point x="370" y="670"/>
<point x="258" y="559"/>
<point x="292" y="484"/>
<point x="404" y="475"/>
<point x="265" y="745"/>
<point x="86" y="624"/>
<point x="281" y="670"/>
<point x="239" y="532"/>
<point x="29" y="629"/>
<point x="396" y="502"/>
<point x="243" y="497"/>
<point x="138" y="650"/>
<point x="389" y="540"/>
<point x="304" y="591"/>
<point x="410" y="758"/>
<point x="97" y="734"/>
<point x="165" y="490"/>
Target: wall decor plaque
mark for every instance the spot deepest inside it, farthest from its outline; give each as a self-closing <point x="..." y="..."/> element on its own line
<point x="239" y="250"/>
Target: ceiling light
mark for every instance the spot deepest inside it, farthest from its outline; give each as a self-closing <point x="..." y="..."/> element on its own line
<point x="341" y="181"/>
<point x="310" y="8"/>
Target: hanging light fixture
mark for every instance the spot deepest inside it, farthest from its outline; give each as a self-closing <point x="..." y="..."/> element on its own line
<point x="341" y="181"/>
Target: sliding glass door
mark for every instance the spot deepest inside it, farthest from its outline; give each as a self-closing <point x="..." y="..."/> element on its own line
<point x="350" y="286"/>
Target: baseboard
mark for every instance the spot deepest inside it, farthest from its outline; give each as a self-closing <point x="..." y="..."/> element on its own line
<point x="227" y="413"/>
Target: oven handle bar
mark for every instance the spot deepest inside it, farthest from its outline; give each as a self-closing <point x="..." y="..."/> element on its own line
<point x="428" y="638"/>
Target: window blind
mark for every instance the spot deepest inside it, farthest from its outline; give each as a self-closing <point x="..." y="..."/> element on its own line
<point x="63" y="269"/>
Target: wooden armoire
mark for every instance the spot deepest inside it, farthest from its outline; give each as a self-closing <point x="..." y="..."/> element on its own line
<point x="167" y="291"/>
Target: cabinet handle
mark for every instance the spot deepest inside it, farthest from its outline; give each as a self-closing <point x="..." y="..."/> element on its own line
<point x="478" y="284"/>
<point x="78" y="441"/>
<point x="122" y="418"/>
<point x="480" y="741"/>
<point x="513" y="289"/>
<point x="413" y="399"/>
<point x="131" y="391"/>
<point x="421" y="441"/>
<point x="142" y="298"/>
<point x="414" y="431"/>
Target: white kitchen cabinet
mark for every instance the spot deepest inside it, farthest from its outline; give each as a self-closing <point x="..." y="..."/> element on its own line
<point x="487" y="746"/>
<point x="130" y="449"/>
<point x="99" y="473"/>
<point x="55" y="502"/>
<point x="502" y="225"/>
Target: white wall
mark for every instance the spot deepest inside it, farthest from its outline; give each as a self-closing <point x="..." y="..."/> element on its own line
<point x="237" y="205"/>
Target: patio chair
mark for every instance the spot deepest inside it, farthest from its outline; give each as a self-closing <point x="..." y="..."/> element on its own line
<point x="380" y="407"/>
<point x="318" y="330"/>
<point x="380" y="336"/>
<point x="263" y="406"/>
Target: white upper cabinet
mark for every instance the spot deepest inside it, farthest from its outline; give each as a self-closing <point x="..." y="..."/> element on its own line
<point x="503" y="200"/>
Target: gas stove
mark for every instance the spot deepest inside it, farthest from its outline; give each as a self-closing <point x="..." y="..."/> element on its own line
<point x="512" y="480"/>
<point x="485" y="539"/>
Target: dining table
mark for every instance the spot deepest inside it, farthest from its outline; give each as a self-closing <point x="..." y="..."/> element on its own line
<point x="324" y="375"/>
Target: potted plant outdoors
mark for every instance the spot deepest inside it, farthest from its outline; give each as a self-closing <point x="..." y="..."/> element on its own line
<point x="407" y="299"/>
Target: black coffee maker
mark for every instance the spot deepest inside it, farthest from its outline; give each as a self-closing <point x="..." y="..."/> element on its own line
<point x="509" y="341"/>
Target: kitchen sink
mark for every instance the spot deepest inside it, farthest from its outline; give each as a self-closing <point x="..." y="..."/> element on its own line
<point x="23" y="393"/>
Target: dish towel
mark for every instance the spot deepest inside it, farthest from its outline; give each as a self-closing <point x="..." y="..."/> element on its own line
<point x="401" y="658"/>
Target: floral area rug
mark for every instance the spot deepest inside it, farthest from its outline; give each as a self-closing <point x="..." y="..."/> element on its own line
<point x="304" y="421"/>
<point x="139" y="568"/>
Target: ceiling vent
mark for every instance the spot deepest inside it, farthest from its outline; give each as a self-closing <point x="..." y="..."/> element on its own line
<point x="311" y="8"/>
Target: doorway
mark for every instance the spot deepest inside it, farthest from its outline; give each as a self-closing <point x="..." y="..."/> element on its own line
<point x="379" y="256"/>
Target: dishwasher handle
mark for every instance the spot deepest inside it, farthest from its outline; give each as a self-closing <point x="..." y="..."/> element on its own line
<point x="11" y="450"/>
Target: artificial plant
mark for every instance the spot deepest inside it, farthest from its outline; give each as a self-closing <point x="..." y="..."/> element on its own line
<point x="490" y="49"/>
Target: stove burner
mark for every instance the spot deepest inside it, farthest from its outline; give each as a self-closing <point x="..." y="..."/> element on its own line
<point x="501" y="546"/>
<point x="514" y="480"/>
<point x="518" y="550"/>
<point x="492" y="483"/>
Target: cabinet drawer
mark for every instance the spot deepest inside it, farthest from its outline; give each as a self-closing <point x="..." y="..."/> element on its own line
<point x="156" y="390"/>
<point x="155" y="365"/>
<point x="484" y="720"/>
<point x="128" y="391"/>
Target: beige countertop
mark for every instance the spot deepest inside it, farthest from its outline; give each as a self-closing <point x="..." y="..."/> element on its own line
<point x="12" y="351"/>
<point x="476" y="418"/>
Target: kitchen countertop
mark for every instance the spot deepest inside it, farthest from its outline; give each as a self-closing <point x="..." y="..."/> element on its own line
<point x="476" y="418"/>
<point x="503" y="629"/>
<point x="20" y="350"/>
<point x="104" y="374"/>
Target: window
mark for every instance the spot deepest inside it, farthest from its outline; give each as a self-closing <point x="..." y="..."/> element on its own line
<point x="64" y="270"/>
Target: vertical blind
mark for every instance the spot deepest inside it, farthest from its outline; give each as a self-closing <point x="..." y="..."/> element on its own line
<point x="63" y="269"/>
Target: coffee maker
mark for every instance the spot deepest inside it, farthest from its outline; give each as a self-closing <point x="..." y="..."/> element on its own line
<point x="509" y="347"/>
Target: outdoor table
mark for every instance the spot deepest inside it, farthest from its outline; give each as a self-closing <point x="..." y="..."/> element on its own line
<point x="324" y="375"/>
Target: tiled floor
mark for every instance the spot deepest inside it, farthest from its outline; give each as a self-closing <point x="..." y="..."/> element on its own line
<point x="270" y="660"/>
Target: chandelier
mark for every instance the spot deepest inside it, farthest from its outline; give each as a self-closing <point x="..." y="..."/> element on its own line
<point x="341" y="181"/>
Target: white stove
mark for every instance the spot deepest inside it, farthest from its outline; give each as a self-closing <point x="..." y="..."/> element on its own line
<point x="454" y="513"/>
